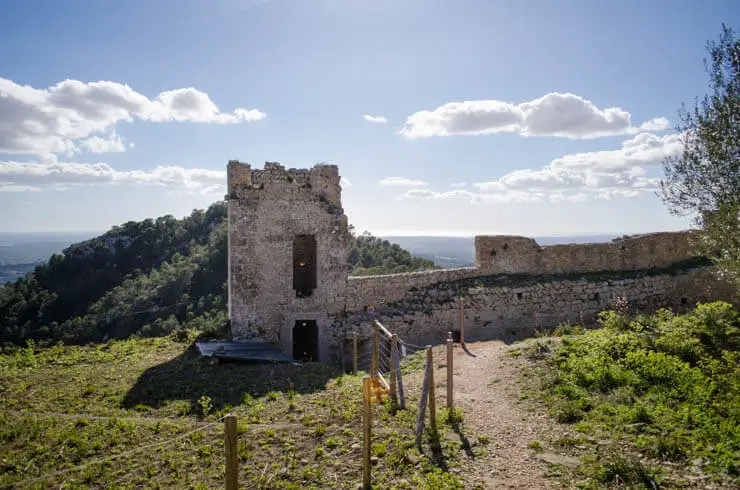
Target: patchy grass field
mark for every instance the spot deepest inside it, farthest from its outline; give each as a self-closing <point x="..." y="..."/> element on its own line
<point x="72" y="417"/>
<point x="651" y="399"/>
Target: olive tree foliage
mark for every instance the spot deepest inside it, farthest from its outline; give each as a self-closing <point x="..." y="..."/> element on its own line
<point x="704" y="180"/>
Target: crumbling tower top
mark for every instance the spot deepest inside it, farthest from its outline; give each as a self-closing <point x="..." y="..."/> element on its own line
<point x="323" y="180"/>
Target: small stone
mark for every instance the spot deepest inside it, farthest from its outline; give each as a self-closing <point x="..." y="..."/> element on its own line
<point x="551" y="458"/>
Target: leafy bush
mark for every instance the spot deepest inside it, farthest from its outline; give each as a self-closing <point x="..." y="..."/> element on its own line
<point x="670" y="383"/>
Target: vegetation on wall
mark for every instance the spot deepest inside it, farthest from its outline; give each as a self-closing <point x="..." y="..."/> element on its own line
<point x="148" y="278"/>
<point x="666" y="385"/>
<point x="704" y="181"/>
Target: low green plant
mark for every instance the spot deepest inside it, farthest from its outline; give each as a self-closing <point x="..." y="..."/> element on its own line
<point x="452" y="417"/>
<point x="205" y="403"/>
<point x="666" y="384"/>
<point x="535" y="445"/>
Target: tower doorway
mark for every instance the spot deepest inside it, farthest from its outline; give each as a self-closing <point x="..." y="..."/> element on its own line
<point x="305" y="341"/>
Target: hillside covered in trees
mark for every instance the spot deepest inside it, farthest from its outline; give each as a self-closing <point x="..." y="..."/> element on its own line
<point x="148" y="278"/>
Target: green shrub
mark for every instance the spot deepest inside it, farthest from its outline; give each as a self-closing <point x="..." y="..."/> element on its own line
<point x="668" y="383"/>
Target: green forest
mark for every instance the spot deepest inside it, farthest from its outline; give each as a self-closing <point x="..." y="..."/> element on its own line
<point x="149" y="278"/>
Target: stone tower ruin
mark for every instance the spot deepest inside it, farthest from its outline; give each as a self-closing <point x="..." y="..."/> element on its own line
<point x="288" y="263"/>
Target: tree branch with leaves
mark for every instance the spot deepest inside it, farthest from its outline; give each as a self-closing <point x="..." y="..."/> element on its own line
<point x="704" y="180"/>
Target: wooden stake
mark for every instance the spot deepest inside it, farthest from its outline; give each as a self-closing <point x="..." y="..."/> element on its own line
<point x="394" y="357"/>
<point x="232" y="470"/>
<point x="354" y="353"/>
<point x="462" y="321"/>
<point x="397" y="366"/>
<point x="449" y="371"/>
<point x="432" y="403"/>
<point x="422" y="404"/>
<point x="366" y="385"/>
<point x="376" y="348"/>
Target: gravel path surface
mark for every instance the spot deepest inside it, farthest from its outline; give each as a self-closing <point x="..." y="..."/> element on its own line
<point x="486" y="388"/>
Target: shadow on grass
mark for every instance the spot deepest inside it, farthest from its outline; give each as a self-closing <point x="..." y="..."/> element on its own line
<point x="438" y="456"/>
<point x="191" y="376"/>
<point x="457" y="428"/>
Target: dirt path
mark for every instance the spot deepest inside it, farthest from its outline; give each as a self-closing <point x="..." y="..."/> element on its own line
<point x="486" y="389"/>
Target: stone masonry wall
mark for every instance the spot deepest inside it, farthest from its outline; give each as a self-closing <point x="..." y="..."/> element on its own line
<point x="512" y="306"/>
<point x="521" y="255"/>
<point x="524" y="286"/>
<point x="267" y="209"/>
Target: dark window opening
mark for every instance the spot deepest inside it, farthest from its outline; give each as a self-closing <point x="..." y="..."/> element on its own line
<point x="506" y="246"/>
<point x="456" y="336"/>
<point x="304" y="265"/>
<point x="684" y="301"/>
<point x="597" y="296"/>
<point x="305" y="341"/>
<point x="493" y="253"/>
<point x="518" y="295"/>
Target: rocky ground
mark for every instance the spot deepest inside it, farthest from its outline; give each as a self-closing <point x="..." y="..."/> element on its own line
<point x="487" y="389"/>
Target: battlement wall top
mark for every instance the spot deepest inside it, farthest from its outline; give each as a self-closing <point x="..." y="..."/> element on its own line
<point x="321" y="179"/>
<point x="521" y="255"/>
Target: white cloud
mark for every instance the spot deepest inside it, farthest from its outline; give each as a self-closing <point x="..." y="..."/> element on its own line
<point x="58" y="118"/>
<point x="657" y="124"/>
<point x="375" y="119"/>
<point x="17" y="188"/>
<point x="458" y="184"/>
<point x="555" y="114"/>
<point x="608" y="174"/>
<point x="476" y="197"/>
<point x="22" y="176"/>
<point x="401" y="181"/>
<point x="111" y="144"/>
<point x="345" y="183"/>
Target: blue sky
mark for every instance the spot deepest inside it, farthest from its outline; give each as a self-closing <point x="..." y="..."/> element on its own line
<point x="554" y="115"/>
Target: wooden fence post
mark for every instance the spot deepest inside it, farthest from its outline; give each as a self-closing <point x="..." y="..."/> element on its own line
<point x="422" y="404"/>
<point x="432" y="403"/>
<point x="394" y="377"/>
<point x="462" y="321"/>
<point x="366" y="422"/>
<point x="449" y="371"/>
<point x="354" y="353"/>
<point x="232" y="471"/>
<point x="376" y="347"/>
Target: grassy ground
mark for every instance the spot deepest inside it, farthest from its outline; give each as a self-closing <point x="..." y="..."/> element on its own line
<point x="651" y="399"/>
<point x="299" y="426"/>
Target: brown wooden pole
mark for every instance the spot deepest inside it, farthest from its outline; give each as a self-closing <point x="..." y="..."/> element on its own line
<point x="394" y="377"/>
<point x="366" y="422"/>
<point x="232" y="470"/>
<point x="354" y="353"/>
<point x="462" y="321"/>
<point x="432" y="402"/>
<point x="376" y="349"/>
<point x="449" y="371"/>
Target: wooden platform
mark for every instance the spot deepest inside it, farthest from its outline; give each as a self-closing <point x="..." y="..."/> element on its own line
<point x="242" y="351"/>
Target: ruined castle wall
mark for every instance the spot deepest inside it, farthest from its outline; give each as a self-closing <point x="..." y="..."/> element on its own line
<point x="267" y="209"/>
<point x="521" y="255"/>
<point x="507" y="307"/>
<point x="379" y="290"/>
